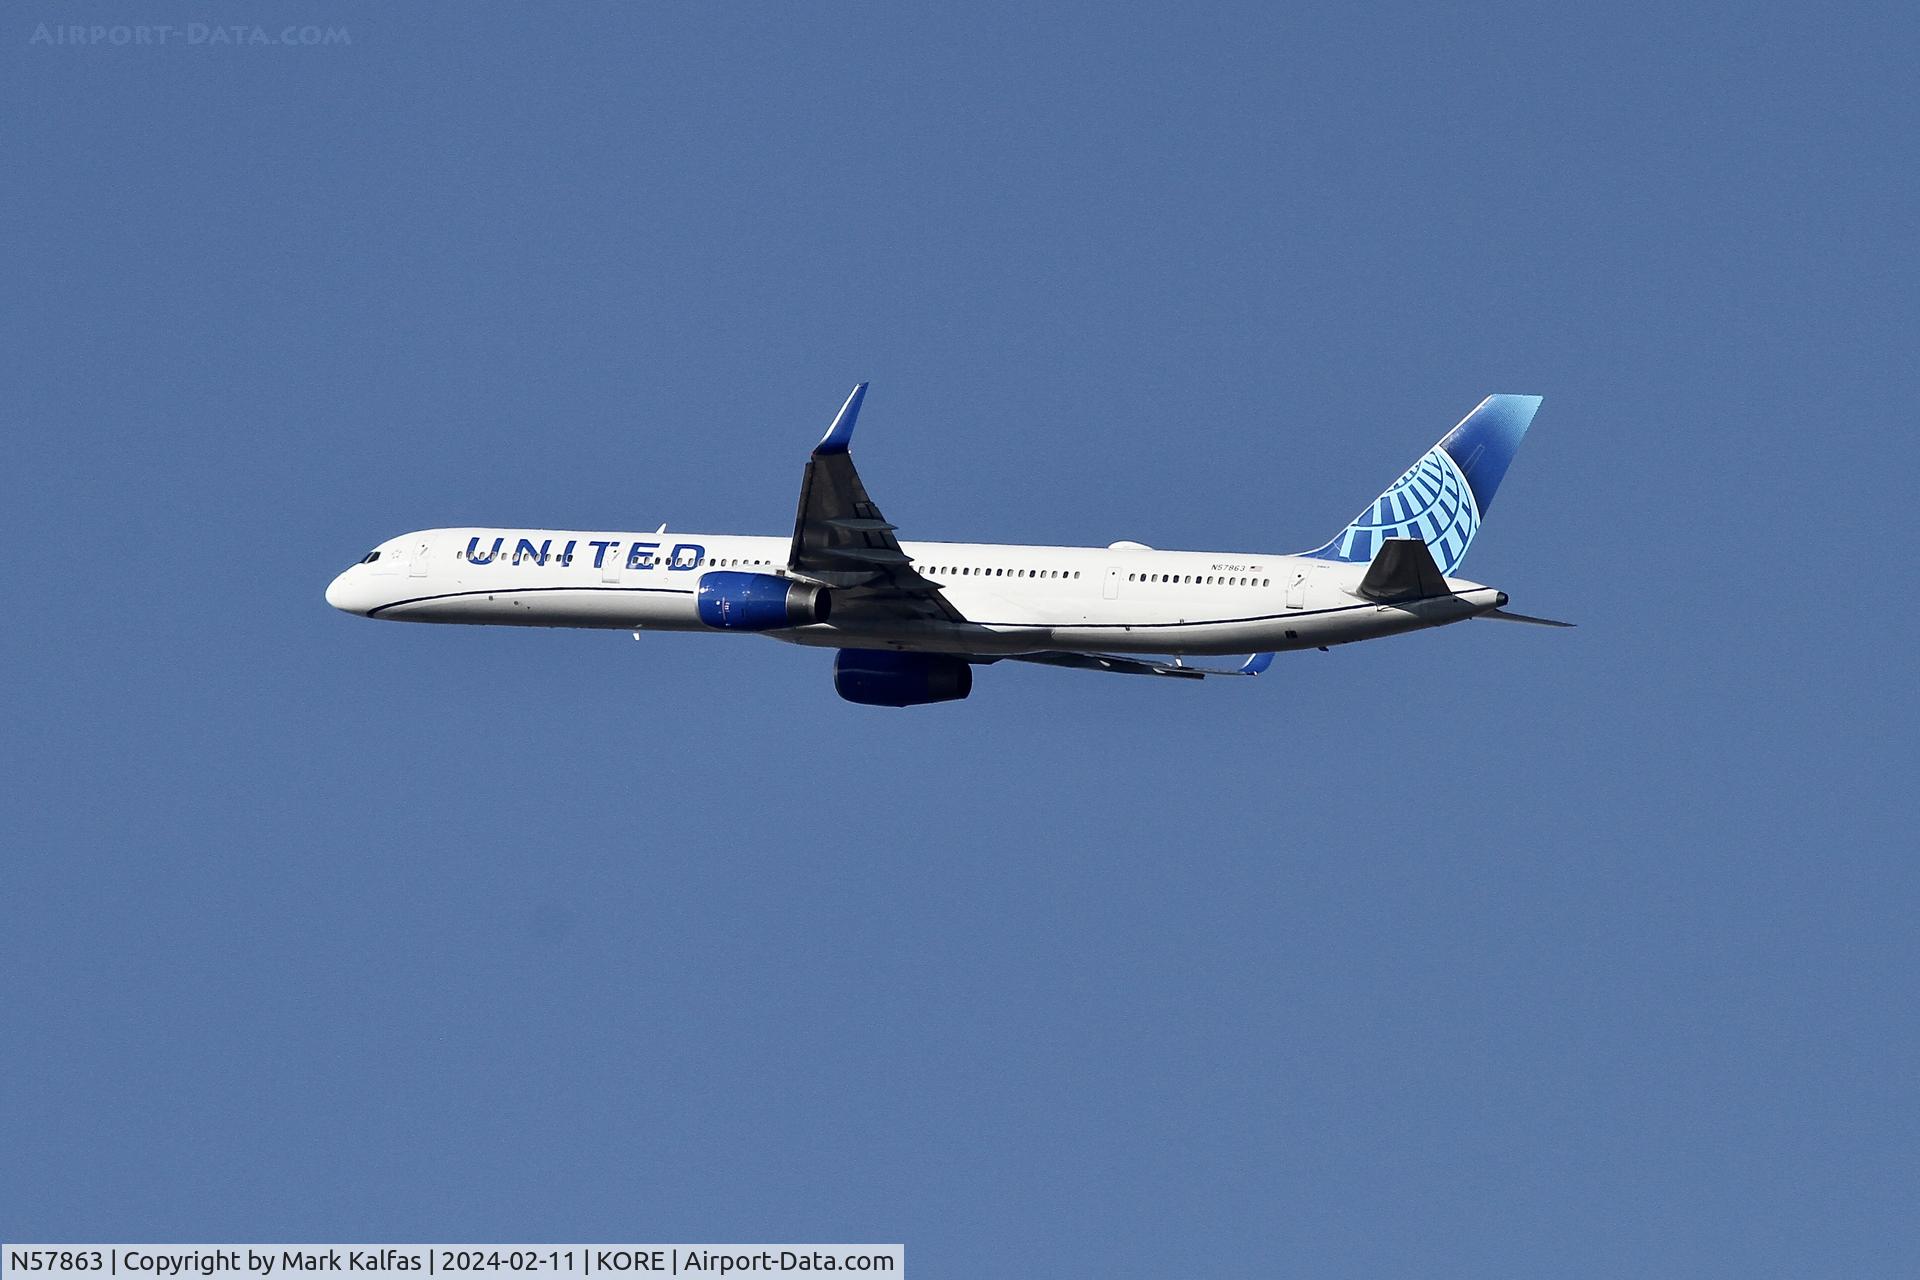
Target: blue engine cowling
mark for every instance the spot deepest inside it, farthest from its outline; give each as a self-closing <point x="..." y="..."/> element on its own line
<point x="759" y="602"/>
<point x="882" y="678"/>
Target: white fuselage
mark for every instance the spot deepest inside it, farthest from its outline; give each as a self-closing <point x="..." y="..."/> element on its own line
<point x="1017" y="599"/>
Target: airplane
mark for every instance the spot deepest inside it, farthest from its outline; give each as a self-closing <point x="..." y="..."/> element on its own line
<point x="911" y="620"/>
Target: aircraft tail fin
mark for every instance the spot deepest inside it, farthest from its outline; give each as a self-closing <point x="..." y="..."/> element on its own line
<point x="1442" y="498"/>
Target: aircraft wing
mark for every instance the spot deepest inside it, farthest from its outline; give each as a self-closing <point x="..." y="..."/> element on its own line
<point x="841" y="540"/>
<point x="1253" y="666"/>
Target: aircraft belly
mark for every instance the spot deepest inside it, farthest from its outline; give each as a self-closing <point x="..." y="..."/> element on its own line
<point x="925" y="637"/>
<point x="1308" y="630"/>
<point x="608" y="608"/>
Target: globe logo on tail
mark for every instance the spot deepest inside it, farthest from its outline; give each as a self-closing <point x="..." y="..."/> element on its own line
<point x="1431" y="502"/>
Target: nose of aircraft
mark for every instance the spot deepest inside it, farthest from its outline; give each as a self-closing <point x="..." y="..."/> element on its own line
<point x="340" y="593"/>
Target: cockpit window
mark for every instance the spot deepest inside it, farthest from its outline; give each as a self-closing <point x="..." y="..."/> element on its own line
<point x="370" y="557"/>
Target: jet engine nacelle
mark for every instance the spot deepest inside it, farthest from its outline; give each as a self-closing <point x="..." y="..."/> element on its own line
<point x="883" y="678"/>
<point x="759" y="602"/>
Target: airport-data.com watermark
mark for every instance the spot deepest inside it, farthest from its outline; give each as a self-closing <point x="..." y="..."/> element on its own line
<point x="187" y="35"/>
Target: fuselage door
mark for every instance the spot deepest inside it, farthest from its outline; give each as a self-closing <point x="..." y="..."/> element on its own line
<point x="610" y="564"/>
<point x="1113" y="583"/>
<point x="1297" y="590"/>
<point x="417" y="560"/>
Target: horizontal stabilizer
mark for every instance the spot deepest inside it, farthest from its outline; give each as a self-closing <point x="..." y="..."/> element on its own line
<point x="1502" y="615"/>
<point x="1403" y="569"/>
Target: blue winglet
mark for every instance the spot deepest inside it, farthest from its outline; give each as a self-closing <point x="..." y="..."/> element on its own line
<point x="1256" y="664"/>
<point x="841" y="432"/>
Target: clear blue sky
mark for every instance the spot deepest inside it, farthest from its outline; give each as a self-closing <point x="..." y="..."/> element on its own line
<point x="1487" y="951"/>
